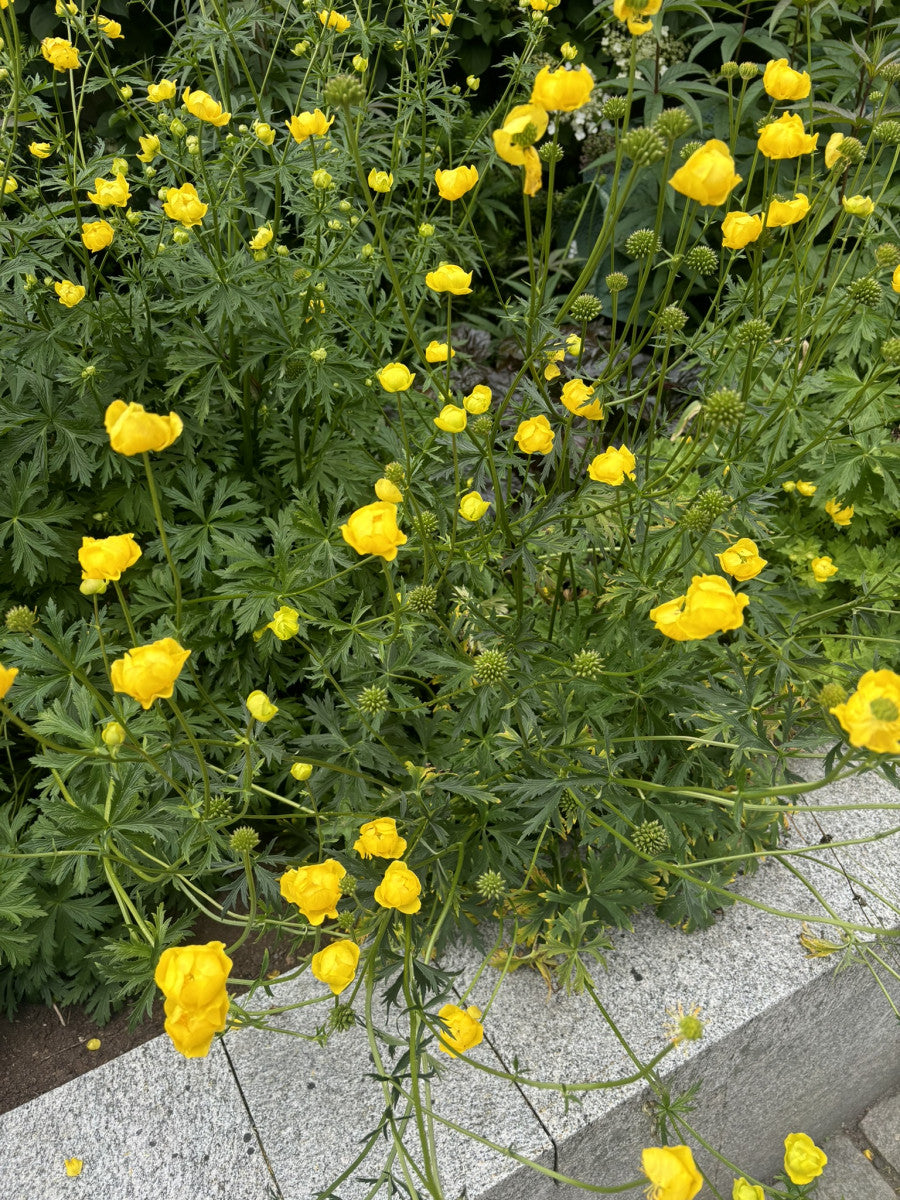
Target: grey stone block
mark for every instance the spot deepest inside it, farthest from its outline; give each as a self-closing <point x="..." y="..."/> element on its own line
<point x="881" y="1126"/>
<point x="849" y="1175"/>
<point x="150" y="1125"/>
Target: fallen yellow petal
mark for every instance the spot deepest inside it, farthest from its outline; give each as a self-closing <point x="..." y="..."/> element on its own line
<point x="73" y="1167"/>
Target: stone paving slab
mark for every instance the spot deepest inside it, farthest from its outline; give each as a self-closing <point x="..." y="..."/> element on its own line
<point x="150" y="1125"/>
<point x="881" y="1125"/>
<point x="849" y="1175"/>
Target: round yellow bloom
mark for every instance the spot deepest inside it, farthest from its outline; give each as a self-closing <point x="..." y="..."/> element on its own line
<point x="895" y="279"/>
<point x="336" y="965"/>
<point x="113" y="734"/>
<point x="612" y="466"/>
<point x="568" y="51"/>
<point x="107" y="558"/>
<point x="372" y="529"/>
<point x="739" y="229"/>
<point x="193" y="980"/>
<point x="451" y="419"/>
<point x="260" y="706"/>
<point x="803" y="1160"/>
<point x="149" y="148"/>
<point x="333" y="20"/>
<point x="164" y="90"/>
<point x="400" y="889"/>
<point x="96" y="235"/>
<point x="263" y="132"/>
<point x="781" y="83"/>
<point x="308" y="124"/>
<point x="562" y="90"/>
<point x="625" y="10"/>
<point x="534" y="435"/>
<point x="315" y="889"/>
<point x="385" y="490"/>
<point x="741" y="560"/>
<point x="73" y="1166"/>
<point x="786" y="138"/>
<point x="112" y="29"/>
<point x="40" y="149"/>
<point x="109" y="193"/>
<point x="453" y="184"/>
<point x="7" y="675"/>
<point x="709" y="606"/>
<point x="184" y="205"/>
<point x="858" y="206"/>
<point x="395" y="377"/>
<point x="60" y="54"/>
<point x="478" y="400"/>
<point x="11" y="185"/>
<point x="438" y="352"/>
<point x="261" y="238"/>
<point x="69" y="293"/>
<point x="672" y="1173"/>
<point x="576" y="396"/>
<point x="871" y="719"/>
<point x="472" y="507"/>
<point x="524" y="121"/>
<point x="285" y="623"/>
<point x="822" y="568"/>
<point x="380" y="181"/>
<point x="464" y="1030"/>
<point x="786" y="212"/>
<point x="132" y="430"/>
<point x="148" y="673"/>
<point x="449" y="278"/>
<point x="805" y="488"/>
<point x="380" y="839"/>
<point x="202" y="106"/>
<point x="840" y="516"/>
<point x="743" y="1190"/>
<point x="301" y="771"/>
<point x="708" y="175"/>
<point x="360" y="63"/>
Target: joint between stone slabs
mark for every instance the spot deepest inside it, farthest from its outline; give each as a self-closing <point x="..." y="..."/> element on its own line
<point x="277" y="1194"/>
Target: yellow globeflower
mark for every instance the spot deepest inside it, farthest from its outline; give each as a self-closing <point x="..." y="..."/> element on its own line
<point x="315" y="889"/>
<point x="472" y="507"/>
<point x="164" y="90"/>
<point x="871" y="716"/>
<point x="148" y="673"/>
<point x="478" y="400"/>
<point x="464" y="1029"/>
<point x="708" y="175"/>
<point x="112" y="29"/>
<point x="564" y="89"/>
<point x="202" y="106"/>
<point x="182" y="204"/>
<point x="576" y="396"/>
<point x="332" y="19"/>
<point x="534" y="435"/>
<point x="308" y="124"/>
<point x="786" y="138"/>
<point x="525" y="121"/>
<point x="823" y="568"/>
<point x="107" y="558"/>
<point x="672" y="1173"/>
<point x="336" y="965"/>
<point x="385" y="490"/>
<point x="149" y="148"/>
<point x="781" y="83"/>
<point x="261" y="238"/>
<point x="612" y="466"/>
<point x="805" y="488"/>
<point x="739" y="229"/>
<point x="380" y="839"/>
<point x="803" y="1160"/>
<point x="895" y="279"/>
<point x="742" y="560"/>
<point x="840" y="516"/>
<point x="743" y="1190"/>
<point x="111" y="193"/>
<point x="260" y="706"/>
<point x="132" y="430"/>
<point x="372" y="529"/>
<point x="395" y="377"/>
<point x="635" y="14"/>
<point x="858" y="206"/>
<point x="709" y="606"/>
<point x="451" y="419"/>
<point x="285" y="623"/>
<point x="7" y="675"/>
<point x="786" y="212"/>
<point x="263" y="133"/>
<point x="449" y="278"/>
<point x="40" y="149"/>
<point x="400" y="888"/>
<point x="380" y="181"/>
<point x="438" y="352"/>
<point x="453" y="184"/>
<point x="60" y="54"/>
<point x="69" y="293"/>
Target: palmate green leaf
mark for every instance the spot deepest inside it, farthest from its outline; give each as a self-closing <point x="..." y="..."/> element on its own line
<point x="224" y="510"/>
<point x="34" y="525"/>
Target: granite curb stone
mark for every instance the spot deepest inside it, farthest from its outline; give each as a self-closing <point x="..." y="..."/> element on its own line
<point x="849" y="1175"/>
<point x="881" y="1125"/>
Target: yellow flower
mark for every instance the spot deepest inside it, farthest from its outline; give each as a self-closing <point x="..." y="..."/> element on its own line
<point x="301" y="771"/>
<point x="574" y="345"/>
<point x="822" y="568"/>
<point x="40" y="149"/>
<point x="446" y="19"/>
<point x="202" y="106"/>
<point x="184" y="205"/>
<point x="786" y="138"/>
<point x="164" y="90"/>
<point x="332" y="19"/>
<point x="576" y="396"/>
<point x="360" y="63"/>
<point x="895" y="279"/>
<point x="781" y="83"/>
<point x="10" y="186"/>
<point x="743" y="1190"/>
<point x="534" y="435"/>
<point x="453" y="184"/>
<point x="336" y="965"/>
<point x="672" y="1173"/>
<point x="110" y="193"/>
<point x="380" y="181"/>
<point x="113" y="734"/>
<point x="739" y="229"/>
<point x="464" y="1030"/>
<point x="387" y="491"/>
<point x="372" y="529"/>
<point x="709" y="606"/>
<point x="612" y="466"/>
<point x="833" y="153"/>
<point x="315" y="889"/>
<point x="805" y="488"/>
<point x="193" y="980"/>
<point x="379" y="839"/>
<point x="73" y="1165"/>
<point x="871" y="719"/>
<point x="261" y="238"/>
<point x="260" y="706"/>
<point x="451" y="419"/>
<point x="395" y="377"/>
<point x="563" y="90"/>
<point x="472" y="507"/>
<point x="7" y="675"/>
<point x="840" y="516"/>
<point x="478" y="400"/>
<point x="742" y="560"/>
<point x="107" y="558"/>
<point x="132" y="430"/>
<point x="858" y="206"/>
<point x="148" y="673"/>
<point x="149" y="148"/>
<point x="285" y="623"/>
<point x="263" y="133"/>
<point x="803" y="1160"/>
<point x="308" y="124"/>
<point x="552" y="371"/>
<point x="786" y="212"/>
<point x="449" y="278"/>
<point x="108" y="26"/>
<point x="708" y="175"/>
<point x="524" y="125"/>
<point x="69" y="293"/>
<point x="400" y="889"/>
<point x="60" y="54"/>
<point x="438" y="352"/>
<point x="568" y="51"/>
<point x="630" y="12"/>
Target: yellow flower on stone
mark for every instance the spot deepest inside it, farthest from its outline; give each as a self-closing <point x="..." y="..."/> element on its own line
<point x="149" y="148"/>
<point x="315" y="889"/>
<point x="786" y="138"/>
<point x="562" y="90"/>
<point x="451" y="419"/>
<point x="395" y="377"/>
<point x="739" y="229"/>
<point x="472" y="507"/>
<point x="260" y="706"/>
<point x="803" y="1160"/>
<point x="534" y="435"/>
<point x="400" y="888"/>
<point x="743" y="1190"/>
<point x="164" y="90"/>
<point x="380" y="181"/>
<point x="7" y="675"/>
<point x="332" y="19"/>
<point x="261" y="238"/>
<point x="805" y="488"/>
<point x="40" y="149"/>
<point x="672" y="1173"/>
<point x="148" y="673"/>
<point x="786" y="212"/>
<point x="438" y="352"/>
<point x="69" y="293"/>
<point x="453" y="184"/>
<point x="464" y="1029"/>
<point x="822" y="568"/>
<point x="380" y="839"/>
<point x="840" y="516"/>
<point x="576" y="396"/>
<point x="109" y="193"/>
<point x="858" y="206"/>
<point x="60" y="54"/>
<point x="336" y="965"/>
<point x="182" y="204"/>
<point x="385" y="490"/>
<point x="781" y="83"/>
<point x="449" y="278"/>
<point x="132" y="430"/>
<point x="285" y="623"/>
<point x="709" y="606"/>
<point x="107" y="558"/>
<point x="372" y="529"/>
<point x="308" y="124"/>
<point x="871" y="719"/>
<point x="112" y="29"/>
<point x="73" y="1165"/>
<point x="708" y="175"/>
<point x="741" y="560"/>
<point x="612" y="466"/>
<point x="478" y="400"/>
<point x="202" y="106"/>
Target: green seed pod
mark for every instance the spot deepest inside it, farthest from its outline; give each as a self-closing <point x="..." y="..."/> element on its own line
<point x="492" y="667"/>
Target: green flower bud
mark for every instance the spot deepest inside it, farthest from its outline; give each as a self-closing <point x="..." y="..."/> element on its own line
<point x="422" y="599"/>
<point x="615" y="108"/>
<point x="344" y="91"/>
<point x="244" y="840"/>
<point x="701" y="260"/>
<point x="885" y="131"/>
<point x="643" y="146"/>
<point x="373" y="701"/>
<point x="491" y="885"/>
<point x="616" y="281"/>
<point x="866" y="292"/>
<point x="643" y="243"/>
<point x="492" y="667"/>
<point x="890" y="351"/>
<point x="585" y="308"/>
<point x="587" y="664"/>
<point x="20" y="619"/>
<point x="748" y="71"/>
<point x="673" y="123"/>
<point x="672" y="319"/>
<point x="729" y="70"/>
<point x="888" y="255"/>
<point x="113" y="734"/>
<point x="724" y="407"/>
